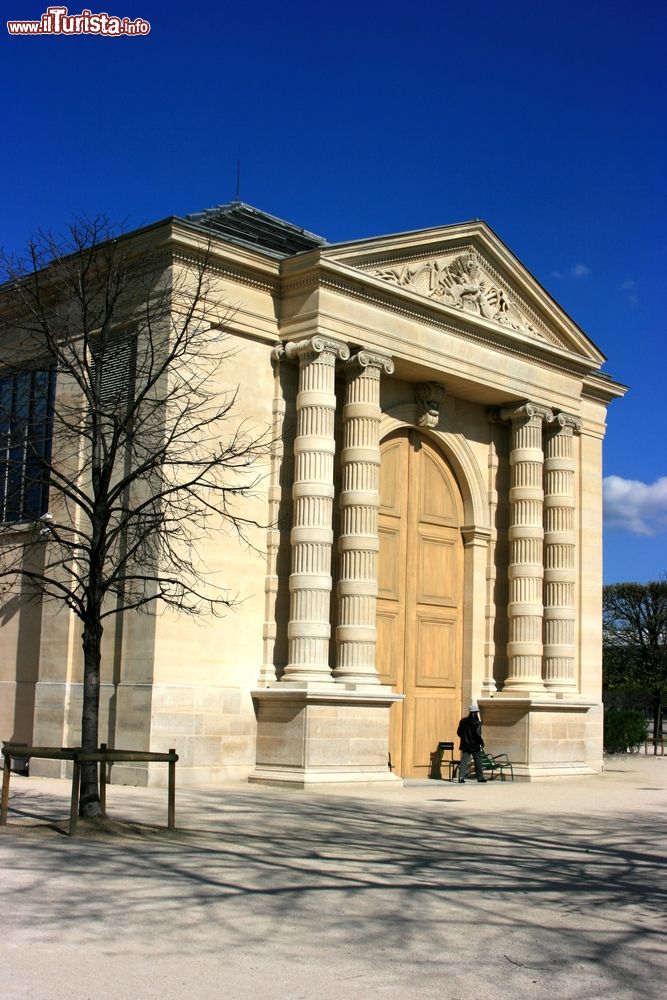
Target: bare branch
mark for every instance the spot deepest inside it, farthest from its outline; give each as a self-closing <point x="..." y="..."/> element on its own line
<point x="139" y="448"/>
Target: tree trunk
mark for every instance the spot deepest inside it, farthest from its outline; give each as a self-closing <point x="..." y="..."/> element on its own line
<point x="657" y="719"/>
<point x="89" y="803"/>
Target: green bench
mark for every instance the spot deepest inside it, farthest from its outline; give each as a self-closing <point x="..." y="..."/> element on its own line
<point x="495" y="765"/>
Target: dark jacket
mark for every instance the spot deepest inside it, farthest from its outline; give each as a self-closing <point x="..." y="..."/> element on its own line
<point x="470" y="734"/>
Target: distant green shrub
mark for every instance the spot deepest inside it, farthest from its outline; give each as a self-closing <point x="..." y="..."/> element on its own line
<point x="623" y="729"/>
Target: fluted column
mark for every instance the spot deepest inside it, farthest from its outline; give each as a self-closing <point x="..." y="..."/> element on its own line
<point x="493" y="464"/>
<point x="559" y="555"/>
<point x="526" y="536"/>
<point x="359" y="501"/>
<point x="309" y="629"/>
<point x="267" y="672"/>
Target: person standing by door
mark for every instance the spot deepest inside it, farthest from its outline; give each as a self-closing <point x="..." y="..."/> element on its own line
<point x="470" y="734"/>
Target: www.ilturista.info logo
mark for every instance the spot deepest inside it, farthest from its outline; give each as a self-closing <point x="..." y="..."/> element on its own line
<point x="57" y="21"/>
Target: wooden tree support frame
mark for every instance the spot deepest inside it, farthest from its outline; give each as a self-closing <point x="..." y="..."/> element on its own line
<point x="103" y="757"/>
<point x="655" y="742"/>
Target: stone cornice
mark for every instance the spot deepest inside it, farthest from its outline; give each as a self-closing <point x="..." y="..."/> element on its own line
<point x="331" y="276"/>
<point x="171" y="242"/>
<point x="333" y="694"/>
<point x="540" y="703"/>
<point x="415" y="256"/>
<point x="599" y="388"/>
<point x="447" y="239"/>
<point x="237" y="275"/>
<point x="185" y="243"/>
<point x="224" y="254"/>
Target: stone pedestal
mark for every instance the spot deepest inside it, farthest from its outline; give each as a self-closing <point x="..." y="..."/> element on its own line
<point x="543" y="737"/>
<point x="307" y="738"/>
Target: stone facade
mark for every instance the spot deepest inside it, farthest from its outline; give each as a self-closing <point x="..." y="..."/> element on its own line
<point x="441" y="342"/>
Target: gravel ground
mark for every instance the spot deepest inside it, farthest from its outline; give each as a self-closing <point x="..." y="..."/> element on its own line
<point x="505" y="891"/>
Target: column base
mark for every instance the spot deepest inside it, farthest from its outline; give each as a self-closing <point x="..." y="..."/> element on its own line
<point x="523" y="688"/>
<point x="307" y="737"/>
<point x="560" y="688"/>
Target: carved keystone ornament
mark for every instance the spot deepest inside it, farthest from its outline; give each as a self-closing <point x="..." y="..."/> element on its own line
<point x="429" y="396"/>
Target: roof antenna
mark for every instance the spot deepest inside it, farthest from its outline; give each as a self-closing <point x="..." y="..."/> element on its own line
<point x="238" y="180"/>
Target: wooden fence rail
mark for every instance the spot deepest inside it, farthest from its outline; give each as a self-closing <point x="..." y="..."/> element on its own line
<point x="103" y="757"/>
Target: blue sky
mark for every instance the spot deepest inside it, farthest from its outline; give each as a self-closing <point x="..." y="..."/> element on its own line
<point x="352" y="120"/>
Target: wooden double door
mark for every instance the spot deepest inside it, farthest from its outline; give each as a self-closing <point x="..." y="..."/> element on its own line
<point x="419" y="612"/>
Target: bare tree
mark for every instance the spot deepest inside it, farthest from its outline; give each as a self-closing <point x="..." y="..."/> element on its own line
<point x="115" y="412"/>
<point x="635" y="640"/>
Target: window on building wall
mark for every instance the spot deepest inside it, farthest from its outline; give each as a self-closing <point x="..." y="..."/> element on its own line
<point x="116" y="360"/>
<point x="26" y="426"/>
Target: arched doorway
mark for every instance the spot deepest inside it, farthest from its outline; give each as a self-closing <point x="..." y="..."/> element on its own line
<point x="420" y="599"/>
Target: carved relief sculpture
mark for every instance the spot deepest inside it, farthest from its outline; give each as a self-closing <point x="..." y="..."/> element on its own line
<point x="461" y="284"/>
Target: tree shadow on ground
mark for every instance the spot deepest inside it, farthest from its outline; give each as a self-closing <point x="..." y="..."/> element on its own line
<point x="545" y="892"/>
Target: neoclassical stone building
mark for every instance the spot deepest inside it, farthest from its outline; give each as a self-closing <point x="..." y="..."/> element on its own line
<point x="433" y="504"/>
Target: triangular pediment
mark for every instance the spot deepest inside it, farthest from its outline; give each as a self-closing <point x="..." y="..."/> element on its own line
<point x="469" y="271"/>
<point x="463" y="280"/>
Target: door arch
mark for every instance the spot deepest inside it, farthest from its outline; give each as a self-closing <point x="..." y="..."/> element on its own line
<point x="420" y="597"/>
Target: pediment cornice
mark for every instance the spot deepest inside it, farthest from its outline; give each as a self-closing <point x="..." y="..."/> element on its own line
<point x="467" y="269"/>
<point x="348" y="282"/>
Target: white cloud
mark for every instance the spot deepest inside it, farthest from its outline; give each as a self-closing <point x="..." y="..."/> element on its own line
<point x="629" y="286"/>
<point x="576" y="271"/>
<point x="630" y="505"/>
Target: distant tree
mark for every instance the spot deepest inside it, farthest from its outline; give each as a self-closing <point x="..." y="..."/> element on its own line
<point x="119" y="448"/>
<point x="635" y="640"/>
